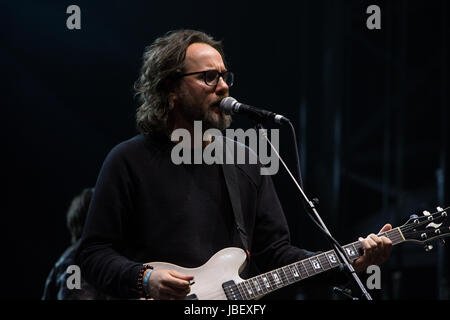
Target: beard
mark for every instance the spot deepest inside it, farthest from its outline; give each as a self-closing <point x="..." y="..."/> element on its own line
<point x="211" y="119"/>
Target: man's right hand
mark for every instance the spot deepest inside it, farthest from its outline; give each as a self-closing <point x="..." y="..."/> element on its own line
<point x="169" y="284"/>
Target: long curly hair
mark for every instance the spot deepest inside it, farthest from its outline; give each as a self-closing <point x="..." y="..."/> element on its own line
<point x="163" y="63"/>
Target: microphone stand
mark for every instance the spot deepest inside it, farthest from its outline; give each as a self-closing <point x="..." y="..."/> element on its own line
<point x="312" y="211"/>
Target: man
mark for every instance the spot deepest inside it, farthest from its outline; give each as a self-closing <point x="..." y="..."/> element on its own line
<point x="146" y="208"/>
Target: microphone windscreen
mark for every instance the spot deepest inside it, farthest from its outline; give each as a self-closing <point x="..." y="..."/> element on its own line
<point x="227" y="105"/>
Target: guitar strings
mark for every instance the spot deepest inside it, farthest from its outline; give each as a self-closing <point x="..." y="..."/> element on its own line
<point x="287" y="276"/>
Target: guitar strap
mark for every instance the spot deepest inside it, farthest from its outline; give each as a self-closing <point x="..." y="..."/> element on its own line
<point x="230" y="175"/>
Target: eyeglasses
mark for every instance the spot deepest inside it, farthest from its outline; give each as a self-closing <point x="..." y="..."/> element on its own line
<point x="211" y="77"/>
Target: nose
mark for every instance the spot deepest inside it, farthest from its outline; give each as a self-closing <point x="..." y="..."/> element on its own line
<point x="221" y="87"/>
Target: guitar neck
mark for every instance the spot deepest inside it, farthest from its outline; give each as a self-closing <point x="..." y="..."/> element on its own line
<point x="273" y="280"/>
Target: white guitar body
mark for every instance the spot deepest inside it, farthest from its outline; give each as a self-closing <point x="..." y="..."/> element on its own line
<point x="224" y="266"/>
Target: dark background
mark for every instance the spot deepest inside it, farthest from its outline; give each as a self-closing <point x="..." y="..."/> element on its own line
<point x="370" y="108"/>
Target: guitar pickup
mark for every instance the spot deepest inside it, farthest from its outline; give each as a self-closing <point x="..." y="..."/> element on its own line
<point x="231" y="290"/>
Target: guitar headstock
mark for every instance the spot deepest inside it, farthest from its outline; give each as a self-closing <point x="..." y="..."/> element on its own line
<point x="428" y="227"/>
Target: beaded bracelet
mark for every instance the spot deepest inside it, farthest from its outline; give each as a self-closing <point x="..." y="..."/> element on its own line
<point x="140" y="280"/>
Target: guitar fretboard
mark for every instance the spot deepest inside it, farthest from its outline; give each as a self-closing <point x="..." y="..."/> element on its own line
<point x="270" y="281"/>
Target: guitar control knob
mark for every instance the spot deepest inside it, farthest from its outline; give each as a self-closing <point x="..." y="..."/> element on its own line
<point x="423" y="235"/>
<point x="428" y="247"/>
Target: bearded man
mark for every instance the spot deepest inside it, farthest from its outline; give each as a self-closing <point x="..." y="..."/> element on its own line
<point x="146" y="208"/>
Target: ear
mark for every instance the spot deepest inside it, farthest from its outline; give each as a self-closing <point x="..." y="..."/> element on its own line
<point x="172" y="100"/>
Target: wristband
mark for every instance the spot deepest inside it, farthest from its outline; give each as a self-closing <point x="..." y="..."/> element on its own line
<point x="145" y="282"/>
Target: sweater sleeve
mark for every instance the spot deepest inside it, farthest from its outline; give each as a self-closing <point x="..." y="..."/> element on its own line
<point x="100" y="255"/>
<point x="272" y="247"/>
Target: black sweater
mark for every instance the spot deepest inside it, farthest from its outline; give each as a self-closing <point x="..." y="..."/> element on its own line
<point x="146" y="209"/>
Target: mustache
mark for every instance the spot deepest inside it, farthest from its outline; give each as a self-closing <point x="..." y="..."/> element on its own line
<point x="219" y="100"/>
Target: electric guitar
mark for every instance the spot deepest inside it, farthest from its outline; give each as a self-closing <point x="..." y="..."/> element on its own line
<point x="218" y="278"/>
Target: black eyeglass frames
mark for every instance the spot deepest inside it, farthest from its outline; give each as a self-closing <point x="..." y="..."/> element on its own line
<point x="211" y="77"/>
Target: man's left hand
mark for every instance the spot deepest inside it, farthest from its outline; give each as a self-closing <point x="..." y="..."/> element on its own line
<point x="376" y="250"/>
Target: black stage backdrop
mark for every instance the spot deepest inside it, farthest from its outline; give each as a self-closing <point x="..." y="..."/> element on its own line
<point x="370" y="108"/>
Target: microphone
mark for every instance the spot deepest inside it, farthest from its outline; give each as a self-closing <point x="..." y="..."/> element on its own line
<point x="230" y="105"/>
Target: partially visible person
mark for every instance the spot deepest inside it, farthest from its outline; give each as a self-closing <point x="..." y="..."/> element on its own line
<point x="56" y="283"/>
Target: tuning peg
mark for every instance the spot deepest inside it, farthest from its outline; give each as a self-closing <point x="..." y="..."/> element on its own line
<point x="443" y="213"/>
<point x="428" y="215"/>
<point x="415" y="218"/>
<point x="428" y="247"/>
